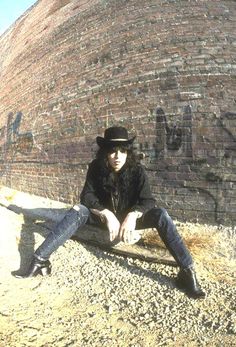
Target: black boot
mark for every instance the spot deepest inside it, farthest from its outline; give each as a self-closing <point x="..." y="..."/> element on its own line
<point x="37" y="267"/>
<point x="187" y="280"/>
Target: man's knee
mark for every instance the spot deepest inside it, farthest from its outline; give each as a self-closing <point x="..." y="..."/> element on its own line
<point x="82" y="211"/>
<point x="81" y="208"/>
<point x="160" y="212"/>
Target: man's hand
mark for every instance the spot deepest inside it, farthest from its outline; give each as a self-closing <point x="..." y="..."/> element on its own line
<point x="128" y="227"/>
<point x="111" y="221"/>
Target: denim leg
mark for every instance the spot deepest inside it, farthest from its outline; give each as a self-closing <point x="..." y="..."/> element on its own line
<point x="74" y="218"/>
<point x="159" y="218"/>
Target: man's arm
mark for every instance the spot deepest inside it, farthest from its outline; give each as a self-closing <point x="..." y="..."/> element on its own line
<point x="145" y="200"/>
<point x="90" y="199"/>
<point x="110" y="220"/>
<point x="128" y="226"/>
<point x="88" y="196"/>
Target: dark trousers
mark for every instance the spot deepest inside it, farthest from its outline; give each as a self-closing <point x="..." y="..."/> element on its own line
<point x="155" y="218"/>
<point x="159" y="218"/>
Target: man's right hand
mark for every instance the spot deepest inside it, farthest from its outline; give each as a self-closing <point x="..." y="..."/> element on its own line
<point x="111" y="221"/>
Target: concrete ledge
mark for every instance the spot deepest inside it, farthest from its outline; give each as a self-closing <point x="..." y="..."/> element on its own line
<point x="149" y="247"/>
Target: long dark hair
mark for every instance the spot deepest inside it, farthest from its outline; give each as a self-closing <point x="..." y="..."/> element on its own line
<point x="103" y="152"/>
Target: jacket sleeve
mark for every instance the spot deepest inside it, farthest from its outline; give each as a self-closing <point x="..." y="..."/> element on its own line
<point x="145" y="200"/>
<point x="88" y="196"/>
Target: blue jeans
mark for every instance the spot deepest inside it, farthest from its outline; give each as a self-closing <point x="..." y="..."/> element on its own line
<point x="155" y="218"/>
<point x="63" y="231"/>
<point x="159" y="218"/>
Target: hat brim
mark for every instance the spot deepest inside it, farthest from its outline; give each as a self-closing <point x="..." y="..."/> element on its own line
<point x="103" y="143"/>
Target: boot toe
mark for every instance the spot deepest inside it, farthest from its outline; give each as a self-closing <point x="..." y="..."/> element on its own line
<point x="199" y="294"/>
<point x="187" y="281"/>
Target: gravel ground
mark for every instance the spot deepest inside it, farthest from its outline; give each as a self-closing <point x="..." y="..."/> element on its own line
<point x="95" y="298"/>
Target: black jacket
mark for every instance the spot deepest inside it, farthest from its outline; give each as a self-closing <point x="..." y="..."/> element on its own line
<point x="128" y="190"/>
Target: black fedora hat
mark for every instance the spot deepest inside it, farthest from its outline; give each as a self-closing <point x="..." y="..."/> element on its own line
<point x="115" y="136"/>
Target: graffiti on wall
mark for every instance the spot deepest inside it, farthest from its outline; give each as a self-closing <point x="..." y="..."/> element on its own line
<point x="204" y="178"/>
<point x="227" y="122"/>
<point x="172" y="146"/>
<point x="12" y="138"/>
<point x="172" y="137"/>
<point x="173" y="133"/>
<point x="13" y="142"/>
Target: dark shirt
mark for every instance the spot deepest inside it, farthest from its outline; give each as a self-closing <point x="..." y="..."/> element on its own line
<point x="122" y="192"/>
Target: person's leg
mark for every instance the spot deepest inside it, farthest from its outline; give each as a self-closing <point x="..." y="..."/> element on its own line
<point x="75" y="218"/>
<point x="159" y="218"/>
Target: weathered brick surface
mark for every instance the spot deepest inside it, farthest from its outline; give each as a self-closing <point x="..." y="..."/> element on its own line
<point x="165" y="69"/>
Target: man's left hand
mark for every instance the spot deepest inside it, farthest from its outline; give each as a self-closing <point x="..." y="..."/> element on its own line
<point x="128" y="227"/>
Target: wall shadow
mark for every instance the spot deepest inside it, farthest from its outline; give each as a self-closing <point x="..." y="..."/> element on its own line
<point x="34" y="224"/>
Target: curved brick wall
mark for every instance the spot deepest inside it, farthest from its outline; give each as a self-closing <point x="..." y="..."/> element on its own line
<point x="165" y="69"/>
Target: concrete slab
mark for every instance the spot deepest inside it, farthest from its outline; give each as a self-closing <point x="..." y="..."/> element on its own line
<point x="149" y="248"/>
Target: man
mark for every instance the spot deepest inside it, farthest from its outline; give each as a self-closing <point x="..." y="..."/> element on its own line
<point x="117" y="197"/>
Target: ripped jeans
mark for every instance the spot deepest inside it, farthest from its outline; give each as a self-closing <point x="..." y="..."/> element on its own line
<point x="157" y="218"/>
<point x="75" y="218"/>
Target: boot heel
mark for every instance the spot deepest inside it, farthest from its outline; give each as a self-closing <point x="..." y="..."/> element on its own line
<point x="187" y="281"/>
<point x="179" y="283"/>
<point x="36" y="268"/>
<point x="46" y="270"/>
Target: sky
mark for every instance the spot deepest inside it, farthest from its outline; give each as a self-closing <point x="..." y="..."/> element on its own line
<point x="10" y="10"/>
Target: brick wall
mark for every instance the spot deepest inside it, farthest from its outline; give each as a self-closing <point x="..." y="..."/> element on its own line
<point x="165" y="69"/>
